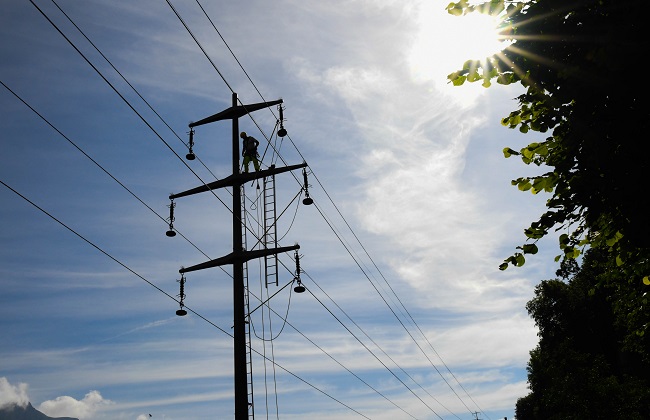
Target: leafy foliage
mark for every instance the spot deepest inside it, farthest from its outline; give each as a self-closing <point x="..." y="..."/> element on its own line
<point x="578" y="62"/>
<point x="582" y="367"/>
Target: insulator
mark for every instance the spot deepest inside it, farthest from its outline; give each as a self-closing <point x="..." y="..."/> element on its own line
<point x="171" y="232"/>
<point x="308" y="200"/>
<point x="190" y="155"/>
<point x="299" y="288"/>
<point x="282" y="131"/>
<point x="181" y="295"/>
<point x="297" y="266"/>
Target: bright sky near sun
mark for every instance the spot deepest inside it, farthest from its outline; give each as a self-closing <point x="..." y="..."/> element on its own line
<point x="445" y="42"/>
<point x="406" y="314"/>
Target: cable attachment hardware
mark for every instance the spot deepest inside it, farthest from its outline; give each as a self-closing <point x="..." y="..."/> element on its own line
<point x="190" y="155"/>
<point x="281" y="132"/>
<point x="299" y="287"/>
<point x="171" y="232"/>
<point x="181" y="295"/>
<point x="308" y="200"/>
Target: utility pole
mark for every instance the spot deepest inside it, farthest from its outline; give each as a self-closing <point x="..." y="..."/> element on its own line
<point x="239" y="255"/>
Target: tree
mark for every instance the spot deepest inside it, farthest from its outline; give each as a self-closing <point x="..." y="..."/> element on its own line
<point x="581" y="368"/>
<point x="580" y="63"/>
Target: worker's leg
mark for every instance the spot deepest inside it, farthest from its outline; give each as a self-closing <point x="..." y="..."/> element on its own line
<point x="247" y="161"/>
<point x="256" y="163"/>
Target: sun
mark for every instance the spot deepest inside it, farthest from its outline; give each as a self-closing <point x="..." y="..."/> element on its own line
<point x="480" y="36"/>
<point x="443" y="42"/>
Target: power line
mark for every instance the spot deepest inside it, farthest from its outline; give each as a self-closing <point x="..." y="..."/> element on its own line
<point x="374" y="342"/>
<point x="339" y="363"/>
<point x="337" y="209"/>
<point x="224" y="204"/>
<point x="162" y="291"/>
<point x="127" y="82"/>
<point x="124" y="99"/>
<point x="349" y="251"/>
<point x="116" y="180"/>
<point x="94" y="161"/>
<point x="378" y="359"/>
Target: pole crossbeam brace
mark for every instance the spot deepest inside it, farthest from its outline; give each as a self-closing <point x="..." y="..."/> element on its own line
<point x="235" y="112"/>
<point x="239" y="257"/>
<point x="237" y="179"/>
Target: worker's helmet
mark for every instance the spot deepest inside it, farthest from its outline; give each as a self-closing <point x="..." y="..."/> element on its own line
<point x="243" y="134"/>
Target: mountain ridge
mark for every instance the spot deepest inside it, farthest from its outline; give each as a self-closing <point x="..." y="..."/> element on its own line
<point x="28" y="412"/>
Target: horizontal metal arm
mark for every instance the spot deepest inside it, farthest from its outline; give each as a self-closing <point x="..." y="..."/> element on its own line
<point x="237" y="180"/>
<point x="239" y="257"/>
<point x="235" y="112"/>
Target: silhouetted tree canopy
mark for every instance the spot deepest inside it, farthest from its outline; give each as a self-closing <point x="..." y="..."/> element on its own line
<point x="581" y="368"/>
<point x="584" y="101"/>
<point x="581" y="64"/>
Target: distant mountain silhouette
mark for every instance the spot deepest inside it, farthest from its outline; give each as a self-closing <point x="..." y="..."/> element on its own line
<point x="16" y="412"/>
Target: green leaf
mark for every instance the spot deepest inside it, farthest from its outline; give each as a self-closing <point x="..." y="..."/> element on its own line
<point x="507" y="152"/>
<point x="527" y="152"/>
<point x="519" y="260"/>
<point x="646" y="281"/>
<point x="454" y="9"/>
<point x="524" y="185"/>
<point x="564" y="240"/>
<point x="459" y="80"/>
<point x="530" y="249"/>
<point x="571" y="252"/>
<point x="612" y="240"/>
<point x="473" y="76"/>
<point x="539" y="184"/>
<point x="514" y="120"/>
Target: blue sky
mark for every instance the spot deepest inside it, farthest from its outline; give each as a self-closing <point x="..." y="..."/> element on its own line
<point x="406" y="315"/>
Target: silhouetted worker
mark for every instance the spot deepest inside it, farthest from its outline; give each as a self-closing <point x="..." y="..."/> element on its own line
<point x="249" y="151"/>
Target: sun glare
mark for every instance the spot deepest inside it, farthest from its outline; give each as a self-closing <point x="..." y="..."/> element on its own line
<point x="481" y="38"/>
<point x="444" y="42"/>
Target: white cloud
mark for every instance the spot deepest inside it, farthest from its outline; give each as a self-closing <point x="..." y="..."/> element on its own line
<point x="69" y="407"/>
<point x="13" y="394"/>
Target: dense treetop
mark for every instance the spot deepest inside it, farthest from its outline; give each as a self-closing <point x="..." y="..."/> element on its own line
<point x="580" y="63"/>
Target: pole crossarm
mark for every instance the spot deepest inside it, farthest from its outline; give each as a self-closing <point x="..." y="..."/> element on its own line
<point x="235" y="112"/>
<point x="239" y="257"/>
<point x="237" y="180"/>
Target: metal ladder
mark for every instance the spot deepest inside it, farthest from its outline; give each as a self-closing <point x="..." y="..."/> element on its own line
<point x="249" y="353"/>
<point x="270" y="239"/>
